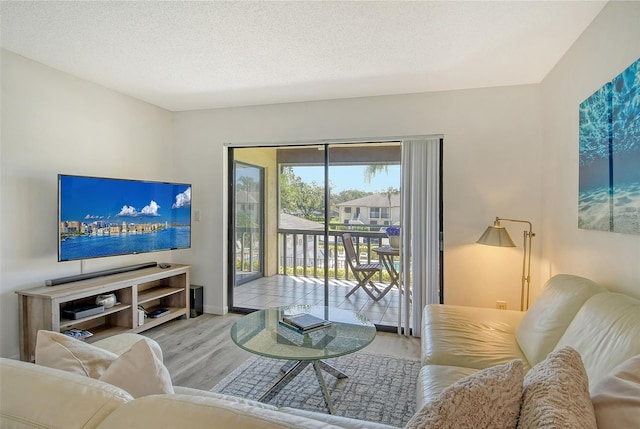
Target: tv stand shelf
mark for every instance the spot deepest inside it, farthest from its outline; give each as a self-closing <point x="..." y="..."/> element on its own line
<point x="151" y="288"/>
<point x="67" y="323"/>
<point x="157" y="293"/>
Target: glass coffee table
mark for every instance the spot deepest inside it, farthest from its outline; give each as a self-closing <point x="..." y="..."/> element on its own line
<point x="263" y="333"/>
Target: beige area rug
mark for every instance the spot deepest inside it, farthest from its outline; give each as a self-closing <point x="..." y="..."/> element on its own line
<point x="380" y="388"/>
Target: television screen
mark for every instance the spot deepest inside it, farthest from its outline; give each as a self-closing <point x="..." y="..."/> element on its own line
<point x="100" y="217"/>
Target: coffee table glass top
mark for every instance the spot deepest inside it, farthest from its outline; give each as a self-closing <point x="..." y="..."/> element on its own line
<point x="261" y="333"/>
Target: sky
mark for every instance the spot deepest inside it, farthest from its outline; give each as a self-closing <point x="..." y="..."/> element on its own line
<point x="91" y="199"/>
<point x="351" y="177"/>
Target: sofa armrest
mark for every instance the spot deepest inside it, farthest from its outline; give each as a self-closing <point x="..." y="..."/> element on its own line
<point x="38" y="396"/>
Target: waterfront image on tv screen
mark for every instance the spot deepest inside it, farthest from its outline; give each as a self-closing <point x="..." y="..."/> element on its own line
<point x="105" y="217"/>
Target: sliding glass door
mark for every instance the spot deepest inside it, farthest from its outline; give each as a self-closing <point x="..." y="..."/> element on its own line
<point x="312" y="195"/>
<point x="364" y="201"/>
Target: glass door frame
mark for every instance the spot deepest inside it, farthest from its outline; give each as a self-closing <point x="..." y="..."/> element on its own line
<point x="261" y="224"/>
<point x="326" y="144"/>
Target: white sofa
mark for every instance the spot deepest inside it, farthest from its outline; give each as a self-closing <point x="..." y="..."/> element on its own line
<point x="457" y="341"/>
<point x="36" y="396"/>
<point x="604" y="327"/>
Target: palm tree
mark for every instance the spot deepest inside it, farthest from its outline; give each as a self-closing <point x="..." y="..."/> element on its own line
<point x="374" y="169"/>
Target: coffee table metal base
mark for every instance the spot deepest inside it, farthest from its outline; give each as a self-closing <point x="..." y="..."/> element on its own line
<point x="292" y="369"/>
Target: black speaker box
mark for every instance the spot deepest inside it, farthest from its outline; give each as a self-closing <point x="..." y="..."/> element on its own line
<point x="196" y="303"/>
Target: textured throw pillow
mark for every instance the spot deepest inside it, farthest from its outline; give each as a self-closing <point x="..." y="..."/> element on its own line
<point x="60" y="351"/>
<point x="556" y="394"/>
<point x="486" y="399"/>
<point x="139" y="372"/>
<point x="616" y="398"/>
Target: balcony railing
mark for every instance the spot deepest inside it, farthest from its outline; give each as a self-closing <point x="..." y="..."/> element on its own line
<point x="302" y="252"/>
<point x="248" y="248"/>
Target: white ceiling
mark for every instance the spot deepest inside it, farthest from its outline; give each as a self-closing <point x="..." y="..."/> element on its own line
<point x="184" y="55"/>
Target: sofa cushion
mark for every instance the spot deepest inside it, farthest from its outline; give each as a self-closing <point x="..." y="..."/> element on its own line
<point x="606" y="332"/>
<point x="139" y="372"/>
<point x="37" y="396"/>
<point x="433" y="379"/>
<point x="200" y="412"/>
<point x="56" y="350"/>
<point x="616" y="397"/>
<point x="547" y="319"/>
<point x="556" y="394"/>
<point x="489" y="398"/>
<point x="120" y="343"/>
<point x="469" y="337"/>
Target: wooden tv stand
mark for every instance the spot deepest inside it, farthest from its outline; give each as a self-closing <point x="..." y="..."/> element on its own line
<point x="151" y="288"/>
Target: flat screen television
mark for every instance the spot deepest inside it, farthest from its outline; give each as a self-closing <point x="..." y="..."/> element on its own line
<point x="99" y="217"/>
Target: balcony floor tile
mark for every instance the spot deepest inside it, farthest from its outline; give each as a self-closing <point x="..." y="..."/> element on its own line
<point x="280" y="290"/>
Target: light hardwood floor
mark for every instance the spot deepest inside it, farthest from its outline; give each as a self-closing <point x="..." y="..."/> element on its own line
<point x="199" y="352"/>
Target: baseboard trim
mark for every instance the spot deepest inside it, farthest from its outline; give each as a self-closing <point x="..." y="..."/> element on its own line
<point x="216" y="309"/>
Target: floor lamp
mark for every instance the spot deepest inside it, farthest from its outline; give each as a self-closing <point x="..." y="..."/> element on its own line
<point x="497" y="235"/>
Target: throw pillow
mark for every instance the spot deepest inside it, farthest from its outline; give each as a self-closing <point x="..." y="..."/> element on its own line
<point x="60" y="351"/>
<point x="616" y="397"/>
<point x="139" y="372"/>
<point x="489" y="398"/>
<point x="556" y="394"/>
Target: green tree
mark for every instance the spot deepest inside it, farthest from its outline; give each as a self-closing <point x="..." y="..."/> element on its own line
<point x="348" y="195"/>
<point x="287" y="191"/>
<point x="297" y="196"/>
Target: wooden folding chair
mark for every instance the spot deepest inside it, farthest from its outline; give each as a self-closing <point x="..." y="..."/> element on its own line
<point x="362" y="272"/>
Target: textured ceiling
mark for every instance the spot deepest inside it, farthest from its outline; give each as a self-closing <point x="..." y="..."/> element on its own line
<point x="184" y="55"/>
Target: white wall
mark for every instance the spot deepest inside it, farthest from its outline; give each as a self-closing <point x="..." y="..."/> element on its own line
<point x="54" y="123"/>
<point x="491" y="168"/>
<point x="607" y="47"/>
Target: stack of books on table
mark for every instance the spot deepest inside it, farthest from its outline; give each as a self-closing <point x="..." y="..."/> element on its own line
<point x="304" y="330"/>
<point x="304" y="323"/>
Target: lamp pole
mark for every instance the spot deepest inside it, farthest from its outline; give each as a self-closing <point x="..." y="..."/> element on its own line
<point x="526" y="259"/>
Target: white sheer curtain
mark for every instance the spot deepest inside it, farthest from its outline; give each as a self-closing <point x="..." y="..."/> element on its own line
<point x="420" y="252"/>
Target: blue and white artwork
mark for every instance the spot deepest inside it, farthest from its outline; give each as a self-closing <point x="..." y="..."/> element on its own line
<point x="609" y="183"/>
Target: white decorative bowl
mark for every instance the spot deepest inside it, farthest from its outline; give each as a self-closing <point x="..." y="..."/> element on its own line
<point x="108" y="300"/>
